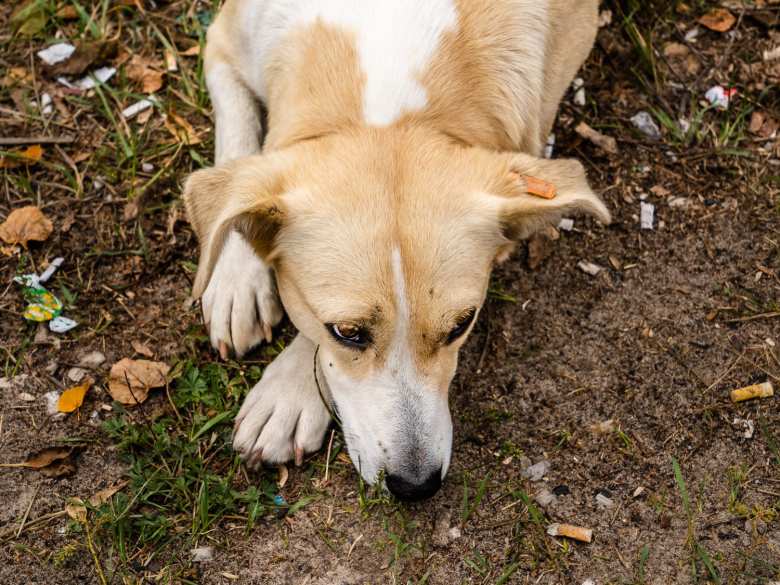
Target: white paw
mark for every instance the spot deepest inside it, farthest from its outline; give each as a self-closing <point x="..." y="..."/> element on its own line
<point x="240" y="304"/>
<point x="283" y="416"/>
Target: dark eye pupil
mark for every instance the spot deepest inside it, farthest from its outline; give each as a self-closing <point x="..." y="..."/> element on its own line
<point x="348" y="334"/>
<point x="461" y="327"/>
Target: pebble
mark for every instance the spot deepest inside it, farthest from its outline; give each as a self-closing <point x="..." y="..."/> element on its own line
<point x="202" y="554"/>
<point x="92" y="359"/>
<point x="604" y="502"/>
<point x="76" y="374"/>
<point x="537" y="471"/>
<point x="52" y="400"/>
<point x="644" y="122"/>
<point x="545" y="498"/>
<point x="26" y="396"/>
<point x="589" y="267"/>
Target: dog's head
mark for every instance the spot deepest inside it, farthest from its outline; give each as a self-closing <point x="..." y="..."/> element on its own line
<point x="383" y="242"/>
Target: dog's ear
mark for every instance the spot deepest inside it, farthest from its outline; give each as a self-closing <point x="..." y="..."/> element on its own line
<point x="243" y="195"/>
<point x="534" y="193"/>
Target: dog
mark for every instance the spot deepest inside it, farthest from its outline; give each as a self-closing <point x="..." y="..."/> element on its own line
<point x="393" y="171"/>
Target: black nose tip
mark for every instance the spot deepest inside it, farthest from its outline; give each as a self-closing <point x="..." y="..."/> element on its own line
<point x="408" y="491"/>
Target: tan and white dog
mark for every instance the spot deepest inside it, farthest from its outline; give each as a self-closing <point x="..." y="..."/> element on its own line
<point x="393" y="176"/>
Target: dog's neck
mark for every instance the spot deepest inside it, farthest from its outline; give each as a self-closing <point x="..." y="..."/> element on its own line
<point x="316" y="87"/>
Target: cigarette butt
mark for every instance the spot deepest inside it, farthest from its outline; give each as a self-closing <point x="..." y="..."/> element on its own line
<point x="764" y="390"/>
<point x="570" y="531"/>
<point x="540" y="188"/>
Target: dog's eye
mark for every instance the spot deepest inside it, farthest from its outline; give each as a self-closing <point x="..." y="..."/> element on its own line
<point x="462" y="326"/>
<point x="350" y="335"/>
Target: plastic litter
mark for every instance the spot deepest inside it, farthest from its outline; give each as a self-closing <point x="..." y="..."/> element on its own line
<point x="89" y="81"/>
<point x="566" y="224"/>
<point x="720" y="97"/>
<point x="43" y="305"/>
<point x="56" y="53"/>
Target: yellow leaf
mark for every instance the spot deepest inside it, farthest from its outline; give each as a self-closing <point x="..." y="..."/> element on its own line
<point x="28" y="156"/>
<point x="72" y="398"/>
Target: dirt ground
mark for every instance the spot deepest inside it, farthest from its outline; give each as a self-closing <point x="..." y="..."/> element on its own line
<point x="608" y="378"/>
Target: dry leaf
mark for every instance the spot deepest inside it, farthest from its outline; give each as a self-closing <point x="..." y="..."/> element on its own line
<point x="25" y="224"/>
<point x="67" y="12"/>
<point x="28" y="156"/>
<point x="72" y="398"/>
<point x="16" y="75"/>
<point x="86" y="56"/>
<point x="141" y="71"/>
<point x="181" y="129"/>
<point x="142" y="348"/>
<point x="718" y="19"/>
<point x="30" y="18"/>
<point x="762" y="125"/>
<point x="52" y="461"/>
<point x="77" y="510"/>
<point x="604" y="142"/>
<point x="131" y="380"/>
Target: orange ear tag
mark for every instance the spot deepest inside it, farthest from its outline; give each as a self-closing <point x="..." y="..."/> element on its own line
<point x="540" y="188"/>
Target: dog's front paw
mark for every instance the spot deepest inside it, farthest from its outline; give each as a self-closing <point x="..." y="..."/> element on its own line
<point x="240" y="305"/>
<point x="283" y="416"/>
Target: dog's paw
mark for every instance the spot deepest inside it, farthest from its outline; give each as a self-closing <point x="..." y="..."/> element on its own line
<point x="283" y="417"/>
<point x="240" y="305"/>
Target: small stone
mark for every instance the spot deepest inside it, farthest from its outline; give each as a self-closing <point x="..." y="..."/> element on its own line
<point x="51" y="367"/>
<point x="638" y="492"/>
<point x="644" y="122"/>
<point x="537" y="471"/>
<point x="92" y="359"/>
<point x="147" y="167"/>
<point x="454" y="533"/>
<point x="545" y="497"/>
<point x="202" y="554"/>
<point x="26" y="397"/>
<point x="76" y="374"/>
<point x="604" y="502"/>
<point x="52" y="405"/>
<point x="589" y="267"/>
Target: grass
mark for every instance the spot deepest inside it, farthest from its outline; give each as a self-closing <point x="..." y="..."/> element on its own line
<point x="184" y="479"/>
<point x="698" y="552"/>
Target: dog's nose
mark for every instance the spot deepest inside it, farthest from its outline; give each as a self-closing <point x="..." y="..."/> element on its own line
<point x="409" y="491"/>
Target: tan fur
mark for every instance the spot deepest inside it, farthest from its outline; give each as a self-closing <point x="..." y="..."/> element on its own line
<point x="332" y="202"/>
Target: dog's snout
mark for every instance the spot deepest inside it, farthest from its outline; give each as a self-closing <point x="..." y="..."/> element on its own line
<point x="410" y="491"/>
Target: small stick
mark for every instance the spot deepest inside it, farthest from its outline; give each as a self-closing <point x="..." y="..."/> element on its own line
<point x="27" y="513"/>
<point x="21" y="140"/>
<point x="327" y="457"/>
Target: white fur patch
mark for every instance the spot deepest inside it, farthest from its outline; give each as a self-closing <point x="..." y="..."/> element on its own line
<point x="393" y="420"/>
<point x="395" y="41"/>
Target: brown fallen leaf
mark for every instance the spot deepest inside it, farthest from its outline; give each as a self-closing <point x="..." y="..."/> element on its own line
<point x="131" y="380"/>
<point x="718" y="19"/>
<point x="67" y="12"/>
<point x="28" y="156"/>
<point x="77" y="509"/>
<point x="604" y="142"/>
<point x="16" y="75"/>
<point x="51" y="461"/>
<point x="181" y="129"/>
<point x="73" y="398"/>
<point x="86" y="56"/>
<point x="142" y="348"/>
<point x="681" y="60"/>
<point x="140" y="70"/>
<point x="762" y="125"/>
<point x="25" y="224"/>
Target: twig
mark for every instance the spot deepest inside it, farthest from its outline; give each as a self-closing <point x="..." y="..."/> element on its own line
<point x="93" y="552"/>
<point x="754" y="317"/>
<point x="27" y="512"/>
<point x="327" y="457"/>
<point x="21" y="140"/>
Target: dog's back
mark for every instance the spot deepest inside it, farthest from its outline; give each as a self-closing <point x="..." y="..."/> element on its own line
<point x="487" y="72"/>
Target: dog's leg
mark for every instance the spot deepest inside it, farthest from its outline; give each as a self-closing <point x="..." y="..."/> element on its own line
<point x="283" y="416"/>
<point x="240" y="304"/>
